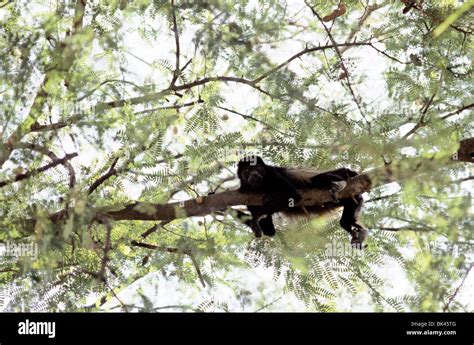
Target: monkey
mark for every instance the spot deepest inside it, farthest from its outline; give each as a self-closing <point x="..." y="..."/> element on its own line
<point x="280" y="188"/>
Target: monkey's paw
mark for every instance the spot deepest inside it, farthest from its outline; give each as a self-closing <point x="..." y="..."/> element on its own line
<point x="359" y="235"/>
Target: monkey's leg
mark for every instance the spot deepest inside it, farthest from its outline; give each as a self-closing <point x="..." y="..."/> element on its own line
<point x="254" y="222"/>
<point x="266" y="225"/>
<point x="261" y="222"/>
<point x="349" y="219"/>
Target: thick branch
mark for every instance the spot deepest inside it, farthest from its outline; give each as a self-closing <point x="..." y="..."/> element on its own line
<point x="217" y="202"/>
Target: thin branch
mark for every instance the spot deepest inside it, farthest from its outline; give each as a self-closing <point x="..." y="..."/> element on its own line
<point x="375" y="291"/>
<point x="36" y="127"/>
<point x="106" y="249"/>
<point x="175" y="106"/>
<point x="153" y="229"/>
<point x="269" y="304"/>
<point x="367" y="12"/>
<point x="196" y="267"/>
<point x="176" y="39"/>
<point x="206" y="80"/>
<point x="7" y="3"/>
<point x="50" y="154"/>
<point x="446" y="307"/>
<point x="173" y="250"/>
<point x="111" y="172"/>
<point x="389" y="56"/>
<point x="306" y="51"/>
<point x="28" y="174"/>
<point x="124" y="306"/>
<point x="460" y="110"/>
<point x="186" y="65"/>
<point x="421" y="121"/>
<point x="106" y="82"/>
<point x="464" y="179"/>
<point x="343" y="66"/>
<point x="381" y="198"/>
<point x="404" y="228"/>
<point x="249" y="117"/>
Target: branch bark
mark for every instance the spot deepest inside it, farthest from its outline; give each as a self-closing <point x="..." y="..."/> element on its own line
<point x="217" y="202"/>
<point x="28" y="174"/>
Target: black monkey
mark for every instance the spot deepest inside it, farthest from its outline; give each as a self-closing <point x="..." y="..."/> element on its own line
<point x="280" y="186"/>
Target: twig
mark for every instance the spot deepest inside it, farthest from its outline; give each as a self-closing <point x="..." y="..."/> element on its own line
<point x="175" y="106"/>
<point x="176" y="40"/>
<point x="367" y="12"/>
<point x="446" y="307"/>
<point x="245" y="116"/>
<point x="269" y="304"/>
<point x="28" y="174"/>
<point x="389" y="56"/>
<point x="172" y="250"/>
<point x="154" y="228"/>
<point x="50" y="154"/>
<point x="457" y="111"/>
<point x="421" y="121"/>
<point x="343" y="66"/>
<point x="306" y="51"/>
<point x="111" y="172"/>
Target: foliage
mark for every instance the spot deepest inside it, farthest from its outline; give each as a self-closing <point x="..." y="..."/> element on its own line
<point x="160" y="98"/>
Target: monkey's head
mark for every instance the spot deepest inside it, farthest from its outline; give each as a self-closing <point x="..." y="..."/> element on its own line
<point x="251" y="171"/>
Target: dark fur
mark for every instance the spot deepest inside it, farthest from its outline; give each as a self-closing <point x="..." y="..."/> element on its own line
<point x="280" y="186"/>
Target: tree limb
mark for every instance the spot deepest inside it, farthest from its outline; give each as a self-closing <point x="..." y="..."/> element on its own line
<point x="446" y="307"/>
<point x="177" y="70"/>
<point x="343" y="66"/>
<point x="30" y="173"/>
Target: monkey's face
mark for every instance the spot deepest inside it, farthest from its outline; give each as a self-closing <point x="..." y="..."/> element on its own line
<point x="252" y="173"/>
<point x="255" y="176"/>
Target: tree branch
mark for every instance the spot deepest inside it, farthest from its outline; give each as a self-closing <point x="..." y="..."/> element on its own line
<point x="343" y="66"/>
<point x="367" y="12"/>
<point x="50" y="154"/>
<point x="460" y="110"/>
<point x="176" y="39"/>
<point x="28" y="174"/>
<point x="421" y="121"/>
<point x="111" y="172"/>
<point x="446" y="307"/>
<point x="68" y="52"/>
